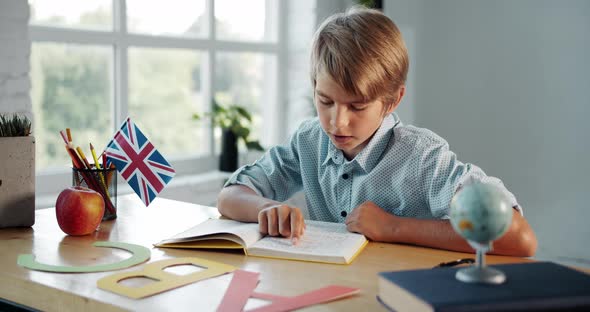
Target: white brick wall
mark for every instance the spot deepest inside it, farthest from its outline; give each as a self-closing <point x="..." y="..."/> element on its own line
<point x="15" y="50"/>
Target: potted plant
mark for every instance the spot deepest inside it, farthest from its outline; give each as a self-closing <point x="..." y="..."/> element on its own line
<point x="235" y="122"/>
<point x="17" y="172"/>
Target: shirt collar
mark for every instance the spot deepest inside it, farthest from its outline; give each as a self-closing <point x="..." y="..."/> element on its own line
<point x="334" y="154"/>
<point x="370" y="155"/>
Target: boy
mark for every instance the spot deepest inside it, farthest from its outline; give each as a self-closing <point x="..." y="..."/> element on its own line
<point x="356" y="162"/>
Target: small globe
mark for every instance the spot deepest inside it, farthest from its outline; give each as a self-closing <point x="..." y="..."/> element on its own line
<point x="481" y="212"/>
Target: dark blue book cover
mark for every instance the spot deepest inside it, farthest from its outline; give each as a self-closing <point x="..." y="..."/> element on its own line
<point x="538" y="286"/>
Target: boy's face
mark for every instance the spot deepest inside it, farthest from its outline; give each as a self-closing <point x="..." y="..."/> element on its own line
<point x="347" y="120"/>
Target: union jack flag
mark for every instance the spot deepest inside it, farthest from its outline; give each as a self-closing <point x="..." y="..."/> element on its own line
<point x="138" y="162"/>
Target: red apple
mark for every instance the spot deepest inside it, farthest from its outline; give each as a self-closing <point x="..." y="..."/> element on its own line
<point x="79" y="210"/>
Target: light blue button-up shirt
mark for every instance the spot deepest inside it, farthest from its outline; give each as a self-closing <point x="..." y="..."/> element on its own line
<point x="405" y="170"/>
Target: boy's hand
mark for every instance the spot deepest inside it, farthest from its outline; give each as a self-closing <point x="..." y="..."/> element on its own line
<point x="282" y="220"/>
<point x="372" y="221"/>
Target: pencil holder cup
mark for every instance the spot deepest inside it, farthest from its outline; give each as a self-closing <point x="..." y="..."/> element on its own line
<point x="103" y="181"/>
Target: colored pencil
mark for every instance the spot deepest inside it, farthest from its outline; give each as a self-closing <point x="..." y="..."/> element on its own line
<point x="83" y="157"/>
<point x="93" y="152"/>
<point x="79" y="162"/>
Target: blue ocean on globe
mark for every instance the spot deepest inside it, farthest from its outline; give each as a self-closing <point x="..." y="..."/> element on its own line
<point x="481" y="212"/>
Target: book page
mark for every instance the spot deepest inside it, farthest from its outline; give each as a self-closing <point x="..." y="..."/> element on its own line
<point x="245" y="234"/>
<point x="322" y="241"/>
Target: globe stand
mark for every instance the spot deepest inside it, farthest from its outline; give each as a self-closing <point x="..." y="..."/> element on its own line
<point x="479" y="273"/>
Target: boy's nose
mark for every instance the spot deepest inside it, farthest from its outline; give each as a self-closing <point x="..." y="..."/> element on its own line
<point x="339" y="117"/>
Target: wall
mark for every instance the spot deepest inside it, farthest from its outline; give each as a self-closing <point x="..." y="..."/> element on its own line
<point x="506" y="83"/>
<point x="299" y="106"/>
<point x="15" y="49"/>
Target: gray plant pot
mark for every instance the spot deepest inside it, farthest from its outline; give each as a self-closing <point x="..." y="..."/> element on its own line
<point x="17" y="181"/>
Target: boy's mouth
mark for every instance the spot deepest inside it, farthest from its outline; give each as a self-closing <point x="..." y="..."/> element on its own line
<point x="341" y="139"/>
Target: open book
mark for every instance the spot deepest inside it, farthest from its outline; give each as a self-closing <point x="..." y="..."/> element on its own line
<point x="321" y="242"/>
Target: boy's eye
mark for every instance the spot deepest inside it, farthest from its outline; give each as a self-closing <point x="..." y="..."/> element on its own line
<point x="359" y="107"/>
<point x="325" y="102"/>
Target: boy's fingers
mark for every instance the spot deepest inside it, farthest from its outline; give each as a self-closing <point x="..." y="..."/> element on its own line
<point x="284" y="224"/>
<point x="262" y="223"/>
<point x="303" y="226"/>
<point x="296" y="226"/>
<point x="272" y="222"/>
<point x="352" y="227"/>
<point x="294" y="230"/>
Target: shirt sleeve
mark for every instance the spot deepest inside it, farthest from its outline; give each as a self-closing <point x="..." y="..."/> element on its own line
<point x="443" y="175"/>
<point x="276" y="175"/>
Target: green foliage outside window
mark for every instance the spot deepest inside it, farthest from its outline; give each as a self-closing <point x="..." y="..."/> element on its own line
<point x="71" y="89"/>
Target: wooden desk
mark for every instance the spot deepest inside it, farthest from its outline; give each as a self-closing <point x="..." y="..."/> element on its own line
<point x="144" y="226"/>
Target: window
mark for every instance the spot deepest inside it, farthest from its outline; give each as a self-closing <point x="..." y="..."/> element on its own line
<point x="95" y="62"/>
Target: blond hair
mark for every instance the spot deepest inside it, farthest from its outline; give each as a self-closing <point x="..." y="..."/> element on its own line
<point x="363" y="51"/>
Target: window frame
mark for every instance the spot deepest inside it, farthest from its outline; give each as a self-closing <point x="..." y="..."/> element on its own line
<point x="52" y="180"/>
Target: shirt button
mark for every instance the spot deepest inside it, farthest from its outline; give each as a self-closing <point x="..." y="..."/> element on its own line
<point x="345" y="176"/>
<point x="343" y="213"/>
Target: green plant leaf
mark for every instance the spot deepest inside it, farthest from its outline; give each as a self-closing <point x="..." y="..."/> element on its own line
<point x="233" y="117"/>
<point x="217" y="109"/>
<point x="240" y="131"/>
<point x="254" y="145"/>
<point x="242" y="111"/>
<point x="14" y="126"/>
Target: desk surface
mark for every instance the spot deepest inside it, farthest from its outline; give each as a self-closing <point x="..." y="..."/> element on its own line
<point x="163" y="218"/>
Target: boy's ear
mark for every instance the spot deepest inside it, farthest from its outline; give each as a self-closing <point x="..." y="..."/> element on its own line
<point x="400" y="94"/>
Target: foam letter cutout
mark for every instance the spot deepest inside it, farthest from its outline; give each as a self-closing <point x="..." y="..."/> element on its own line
<point x="164" y="281"/>
<point x="320" y="295"/>
<point x="240" y="289"/>
<point x="139" y="255"/>
<point x="243" y="284"/>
